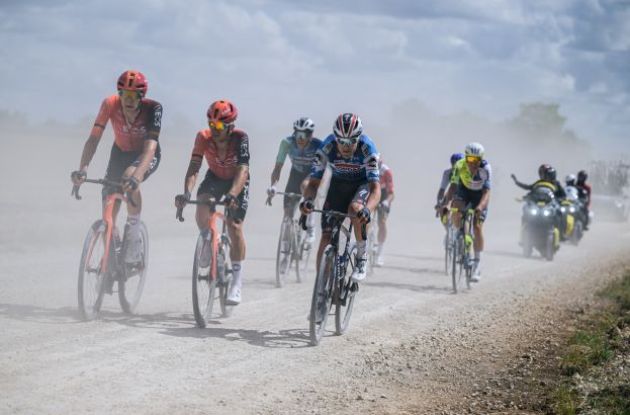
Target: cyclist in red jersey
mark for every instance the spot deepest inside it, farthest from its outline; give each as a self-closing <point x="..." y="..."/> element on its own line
<point x="135" y="154"/>
<point x="387" y="197"/>
<point x="226" y="150"/>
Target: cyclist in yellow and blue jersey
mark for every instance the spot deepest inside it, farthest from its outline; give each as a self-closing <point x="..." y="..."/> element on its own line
<point x="470" y="186"/>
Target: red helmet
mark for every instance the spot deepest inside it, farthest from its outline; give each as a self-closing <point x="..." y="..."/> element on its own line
<point x="222" y="110"/>
<point x="133" y="81"/>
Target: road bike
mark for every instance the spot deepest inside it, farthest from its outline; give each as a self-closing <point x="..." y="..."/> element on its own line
<point x="294" y="250"/>
<point x="212" y="269"/>
<point x="333" y="284"/>
<point x="102" y="262"/>
<point x="463" y="256"/>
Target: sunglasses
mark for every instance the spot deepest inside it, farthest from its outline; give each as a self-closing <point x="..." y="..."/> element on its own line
<point x="219" y="125"/>
<point x="473" y="159"/>
<point x="302" y="135"/>
<point x="347" y="141"/>
<point x="125" y="93"/>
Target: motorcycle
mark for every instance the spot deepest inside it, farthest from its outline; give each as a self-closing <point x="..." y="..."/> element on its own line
<point x="572" y="216"/>
<point x="539" y="222"/>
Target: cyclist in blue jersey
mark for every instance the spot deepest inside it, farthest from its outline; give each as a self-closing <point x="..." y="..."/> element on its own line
<point x="354" y="184"/>
<point x="300" y="147"/>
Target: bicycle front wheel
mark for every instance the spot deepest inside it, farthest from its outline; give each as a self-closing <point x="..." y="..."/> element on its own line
<point x="283" y="253"/>
<point x="344" y="294"/>
<point x="457" y="265"/>
<point x="91" y="284"/>
<point x="321" y="302"/>
<point x="224" y="277"/>
<point x="131" y="285"/>
<point x="203" y="286"/>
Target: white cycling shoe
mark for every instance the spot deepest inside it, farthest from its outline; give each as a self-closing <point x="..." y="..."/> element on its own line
<point x="476" y="272"/>
<point x="234" y="296"/>
<point x="360" y="271"/>
<point x="379" y="261"/>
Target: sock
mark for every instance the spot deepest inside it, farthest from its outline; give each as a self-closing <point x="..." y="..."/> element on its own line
<point x="361" y="246"/>
<point x="477" y="256"/>
<point x="237" y="267"/>
<point x="133" y="224"/>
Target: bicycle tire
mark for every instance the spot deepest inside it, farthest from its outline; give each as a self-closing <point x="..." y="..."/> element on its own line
<point x="90" y="309"/>
<point x="305" y="256"/>
<point x="283" y="257"/>
<point x="129" y="299"/>
<point x="295" y="251"/>
<point x="343" y="297"/>
<point x="321" y="301"/>
<point x="203" y="288"/>
<point x="470" y="217"/>
<point x="448" y="250"/>
<point x="224" y="277"/>
<point x="458" y="263"/>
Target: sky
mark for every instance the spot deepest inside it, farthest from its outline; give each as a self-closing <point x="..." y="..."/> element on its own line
<point x="280" y="59"/>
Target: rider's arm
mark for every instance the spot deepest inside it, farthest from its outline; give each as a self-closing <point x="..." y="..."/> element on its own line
<point x="150" y="143"/>
<point x="311" y="188"/>
<point x="522" y="185"/>
<point x="89" y="149"/>
<point x="191" y="174"/>
<point x="280" y="158"/>
<point x="242" y="172"/>
<point x="375" y="195"/>
<point x="485" y="199"/>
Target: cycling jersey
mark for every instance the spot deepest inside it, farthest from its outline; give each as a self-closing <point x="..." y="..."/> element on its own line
<point x="129" y="137"/>
<point x="361" y="167"/>
<point x="223" y="167"/>
<point x="301" y="159"/>
<point x="481" y="180"/>
<point x="386" y="179"/>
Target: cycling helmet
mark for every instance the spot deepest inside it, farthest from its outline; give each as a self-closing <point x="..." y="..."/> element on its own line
<point x="582" y="176"/>
<point x="304" y="124"/>
<point x="133" y="81"/>
<point x="348" y="125"/>
<point x="222" y="110"/>
<point x="474" y="149"/>
<point x="570" y="179"/>
<point x="455" y="157"/>
<point x="542" y="169"/>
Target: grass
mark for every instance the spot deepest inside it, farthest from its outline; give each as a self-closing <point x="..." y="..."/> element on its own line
<point x="595" y="344"/>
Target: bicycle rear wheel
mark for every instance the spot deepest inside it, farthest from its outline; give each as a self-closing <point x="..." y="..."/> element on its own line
<point x="283" y="253"/>
<point x="448" y="250"/>
<point x="343" y="297"/>
<point x="91" y="284"/>
<point x="321" y="302"/>
<point x="131" y="284"/>
<point x="204" y="292"/>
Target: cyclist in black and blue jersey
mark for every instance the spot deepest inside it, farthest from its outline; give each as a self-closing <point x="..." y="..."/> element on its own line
<point x="300" y="147"/>
<point x="354" y="184"/>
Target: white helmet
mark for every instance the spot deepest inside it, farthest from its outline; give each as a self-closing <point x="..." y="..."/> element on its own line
<point x="304" y="124"/>
<point x="570" y="179"/>
<point x="474" y="149"/>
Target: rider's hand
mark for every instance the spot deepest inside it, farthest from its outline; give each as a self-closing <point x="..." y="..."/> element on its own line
<point x="307" y="206"/>
<point x="364" y="215"/>
<point x="130" y="184"/>
<point x="231" y="201"/>
<point x="78" y="177"/>
<point x="181" y="200"/>
<point x="271" y="191"/>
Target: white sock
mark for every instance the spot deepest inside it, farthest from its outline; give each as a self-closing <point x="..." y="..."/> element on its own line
<point x="361" y="246"/>
<point x="379" y="249"/>
<point x="133" y="224"/>
<point x="237" y="267"/>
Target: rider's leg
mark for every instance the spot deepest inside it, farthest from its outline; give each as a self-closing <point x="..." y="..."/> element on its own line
<point x="310" y="219"/>
<point x="457" y="216"/>
<point x="358" y="203"/>
<point x="202" y="213"/>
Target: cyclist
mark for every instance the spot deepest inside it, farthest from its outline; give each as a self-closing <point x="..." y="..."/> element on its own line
<point x="135" y="154"/>
<point x="354" y="184"/>
<point x="226" y="150"/>
<point x="470" y="185"/>
<point x="387" y="197"/>
<point x="301" y="147"/>
<point x="584" y="190"/>
<point x="446" y="180"/>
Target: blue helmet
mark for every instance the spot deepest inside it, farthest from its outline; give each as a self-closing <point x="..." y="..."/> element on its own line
<point x="455" y="157"/>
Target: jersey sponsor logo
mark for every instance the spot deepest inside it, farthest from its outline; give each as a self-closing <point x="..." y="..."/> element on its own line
<point x="344" y="167"/>
<point x="157" y="116"/>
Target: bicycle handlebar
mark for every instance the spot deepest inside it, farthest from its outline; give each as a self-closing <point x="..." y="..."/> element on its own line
<point x="211" y="203"/>
<point x="337" y="214"/>
<point x="103" y="182"/>
<point x="288" y="194"/>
